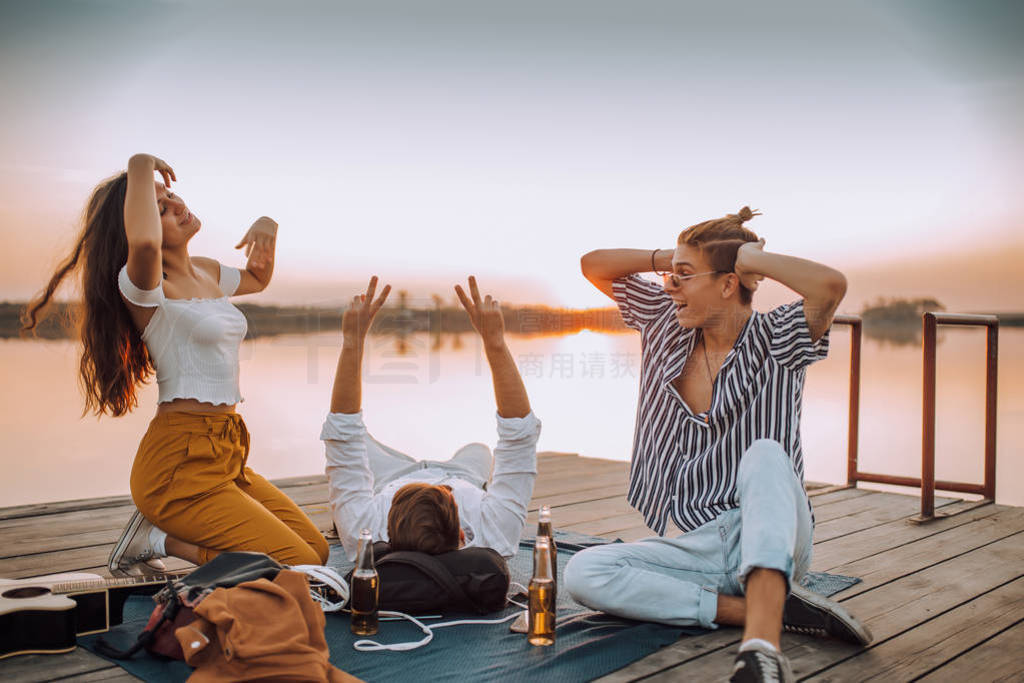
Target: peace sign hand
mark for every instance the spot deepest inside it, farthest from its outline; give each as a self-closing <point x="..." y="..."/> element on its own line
<point x="358" y="317"/>
<point x="484" y="314"/>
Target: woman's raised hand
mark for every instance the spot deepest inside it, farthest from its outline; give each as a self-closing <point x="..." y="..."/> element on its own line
<point x="259" y="242"/>
<point x="158" y="165"/>
<point x="358" y="317"/>
<point x="484" y="314"/>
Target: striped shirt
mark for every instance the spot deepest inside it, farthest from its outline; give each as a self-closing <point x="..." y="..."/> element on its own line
<point x="686" y="464"/>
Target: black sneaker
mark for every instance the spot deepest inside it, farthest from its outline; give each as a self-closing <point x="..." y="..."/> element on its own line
<point x="760" y="663"/>
<point x="812" y="614"/>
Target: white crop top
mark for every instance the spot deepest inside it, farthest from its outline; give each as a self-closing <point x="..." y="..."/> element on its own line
<point x="193" y="343"/>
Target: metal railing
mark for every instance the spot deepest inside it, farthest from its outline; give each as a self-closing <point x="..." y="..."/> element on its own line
<point x="927" y="481"/>
<point x="853" y="424"/>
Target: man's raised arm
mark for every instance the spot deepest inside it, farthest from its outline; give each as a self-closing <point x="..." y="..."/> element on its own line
<point x="485" y="314"/>
<point x="603" y="266"/>
<point x="503" y="509"/>
<point x="350" y="480"/>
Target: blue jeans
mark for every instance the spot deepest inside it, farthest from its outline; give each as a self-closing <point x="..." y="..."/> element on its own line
<point x="677" y="581"/>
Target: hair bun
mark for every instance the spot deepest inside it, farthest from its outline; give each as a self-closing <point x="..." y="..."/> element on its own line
<point x="746" y="214"/>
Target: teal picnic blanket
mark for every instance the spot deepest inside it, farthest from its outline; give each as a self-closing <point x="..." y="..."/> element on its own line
<point x="588" y="645"/>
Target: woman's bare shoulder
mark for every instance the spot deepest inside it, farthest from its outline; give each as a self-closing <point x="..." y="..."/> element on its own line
<point x="208" y="265"/>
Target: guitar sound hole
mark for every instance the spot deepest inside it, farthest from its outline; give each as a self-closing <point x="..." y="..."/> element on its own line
<point x="25" y="592"/>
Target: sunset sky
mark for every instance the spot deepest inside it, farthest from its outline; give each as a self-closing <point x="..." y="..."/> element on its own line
<point x="427" y="140"/>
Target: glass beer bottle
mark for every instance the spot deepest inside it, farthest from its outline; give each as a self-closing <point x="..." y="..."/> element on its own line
<point x="365" y="588"/>
<point x="544" y="529"/>
<point x="541" y="612"/>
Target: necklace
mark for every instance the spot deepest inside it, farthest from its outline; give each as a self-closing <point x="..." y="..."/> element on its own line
<point x="707" y="363"/>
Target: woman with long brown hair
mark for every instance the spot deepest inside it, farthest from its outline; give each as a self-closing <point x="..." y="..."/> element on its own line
<point x="148" y="306"/>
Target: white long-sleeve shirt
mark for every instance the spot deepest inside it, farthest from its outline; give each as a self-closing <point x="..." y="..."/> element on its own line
<point x="493" y="518"/>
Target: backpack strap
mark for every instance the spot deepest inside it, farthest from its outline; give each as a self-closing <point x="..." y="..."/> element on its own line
<point x="434" y="569"/>
<point x="169" y="611"/>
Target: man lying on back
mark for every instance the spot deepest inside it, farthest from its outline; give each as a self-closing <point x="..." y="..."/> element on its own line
<point x="427" y="506"/>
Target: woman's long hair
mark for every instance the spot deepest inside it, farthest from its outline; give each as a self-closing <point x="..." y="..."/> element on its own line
<point x="114" y="358"/>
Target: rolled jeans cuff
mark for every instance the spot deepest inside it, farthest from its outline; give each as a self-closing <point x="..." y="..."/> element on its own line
<point x="781" y="562"/>
<point x="707" y="607"/>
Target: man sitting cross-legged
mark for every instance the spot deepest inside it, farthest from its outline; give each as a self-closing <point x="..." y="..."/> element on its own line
<point x="431" y="507"/>
<point x="717" y="444"/>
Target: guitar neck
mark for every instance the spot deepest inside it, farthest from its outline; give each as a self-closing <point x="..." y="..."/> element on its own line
<point x="66" y="587"/>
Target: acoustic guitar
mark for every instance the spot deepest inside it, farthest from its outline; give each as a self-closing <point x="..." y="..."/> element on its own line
<point x="45" y="614"/>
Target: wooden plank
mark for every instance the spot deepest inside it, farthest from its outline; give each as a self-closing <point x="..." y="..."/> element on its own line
<point x="919" y="650"/>
<point x="114" y="673"/>
<point x="552" y="473"/>
<point x="30" y="668"/>
<point x="888" y="610"/>
<point x="839" y="551"/>
<point x="905" y="559"/>
<point x="608" y="526"/>
<point x="583" y="495"/>
<point x="587" y="511"/>
<point x="571" y="481"/>
<point x="551" y="455"/>
<point x="851" y="516"/>
<point x="40" y="509"/>
<point x="544" y="488"/>
<point x="77" y="559"/>
<point x="27" y="543"/>
<point x="814" y="488"/>
<point x="823" y="497"/>
<point x="93" y="518"/>
<point x="848" y="506"/>
<point x="578" y="466"/>
<point x="675" y="657"/>
<point x="997" y="659"/>
<point x="90" y="557"/>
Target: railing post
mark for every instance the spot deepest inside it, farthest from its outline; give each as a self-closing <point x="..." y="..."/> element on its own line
<point x="928" y="419"/>
<point x="853" y="425"/>
<point x="992" y="375"/>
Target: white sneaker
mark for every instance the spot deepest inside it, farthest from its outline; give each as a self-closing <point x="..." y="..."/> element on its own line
<point x="132" y="554"/>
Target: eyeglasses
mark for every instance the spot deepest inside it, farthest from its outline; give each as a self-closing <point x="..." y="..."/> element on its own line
<point x="675" y="280"/>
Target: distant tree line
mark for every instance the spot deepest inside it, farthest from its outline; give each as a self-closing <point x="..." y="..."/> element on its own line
<point x="264" y="321"/>
<point x="894" y="319"/>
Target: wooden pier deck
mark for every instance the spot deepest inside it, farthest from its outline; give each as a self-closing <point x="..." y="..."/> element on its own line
<point x="945" y="600"/>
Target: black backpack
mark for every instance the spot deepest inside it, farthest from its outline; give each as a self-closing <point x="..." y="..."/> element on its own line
<point x="464" y="580"/>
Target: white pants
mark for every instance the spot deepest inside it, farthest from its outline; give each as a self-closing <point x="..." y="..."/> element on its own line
<point x="473" y="462"/>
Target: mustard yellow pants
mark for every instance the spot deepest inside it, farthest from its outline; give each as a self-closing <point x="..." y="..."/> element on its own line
<point x="189" y="478"/>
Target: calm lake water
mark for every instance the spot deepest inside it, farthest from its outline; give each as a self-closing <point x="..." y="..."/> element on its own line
<point x="427" y="396"/>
